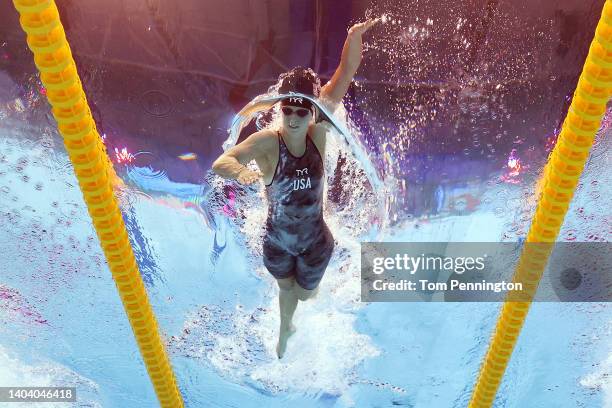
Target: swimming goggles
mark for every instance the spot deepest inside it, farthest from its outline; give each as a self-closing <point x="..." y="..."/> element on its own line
<point x="301" y="112"/>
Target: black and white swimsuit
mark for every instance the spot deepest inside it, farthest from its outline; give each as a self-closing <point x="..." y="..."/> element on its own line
<point x="298" y="242"/>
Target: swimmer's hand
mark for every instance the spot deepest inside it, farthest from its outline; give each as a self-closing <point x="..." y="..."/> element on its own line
<point x="360" y="28"/>
<point x="334" y="90"/>
<point x="248" y="176"/>
<point x="353" y="46"/>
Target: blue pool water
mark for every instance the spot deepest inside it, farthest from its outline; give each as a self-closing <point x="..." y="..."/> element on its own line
<point x="63" y="322"/>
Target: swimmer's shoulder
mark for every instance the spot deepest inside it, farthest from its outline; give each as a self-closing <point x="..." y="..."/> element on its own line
<point x="265" y="140"/>
<point x="322" y="123"/>
<point x="318" y="133"/>
<point x="319" y="129"/>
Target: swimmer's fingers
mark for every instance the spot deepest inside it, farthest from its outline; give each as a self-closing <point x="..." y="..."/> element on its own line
<point x="258" y="175"/>
<point x="245" y="180"/>
<point x="361" y="28"/>
<point x="372" y="22"/>
<point x="249" y="177"/>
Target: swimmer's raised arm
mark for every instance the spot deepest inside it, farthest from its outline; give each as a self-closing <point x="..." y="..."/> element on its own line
<point x="333" y="91"/>
<point x="232" y="163"/>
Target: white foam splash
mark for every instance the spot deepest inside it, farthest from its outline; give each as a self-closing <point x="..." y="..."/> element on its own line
<point x="321" y="357"/>
<point x="601" y="380"/>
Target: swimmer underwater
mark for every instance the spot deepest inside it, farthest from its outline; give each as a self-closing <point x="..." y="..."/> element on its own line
<point x="298" y="244"/>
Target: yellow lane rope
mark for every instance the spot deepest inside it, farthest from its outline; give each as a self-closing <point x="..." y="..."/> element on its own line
<point x="47" y="41"/>
<point x="560" y="177"/>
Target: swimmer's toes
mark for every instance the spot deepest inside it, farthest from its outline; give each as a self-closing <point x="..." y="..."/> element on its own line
<point x="281" y="346"/>
<point x="280" y="350"/>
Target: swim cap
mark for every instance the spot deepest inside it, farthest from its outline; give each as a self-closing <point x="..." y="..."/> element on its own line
<point x="297" y="101"/>
<point x="300" y="80"/>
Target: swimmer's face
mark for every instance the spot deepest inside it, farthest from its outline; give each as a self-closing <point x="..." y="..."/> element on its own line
<point x="296" y="119"/>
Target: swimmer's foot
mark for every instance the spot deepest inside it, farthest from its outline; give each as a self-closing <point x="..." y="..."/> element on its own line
<point x="283" y="336"/>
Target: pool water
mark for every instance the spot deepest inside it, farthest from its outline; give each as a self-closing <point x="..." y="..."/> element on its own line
<point x="217" y="306"/>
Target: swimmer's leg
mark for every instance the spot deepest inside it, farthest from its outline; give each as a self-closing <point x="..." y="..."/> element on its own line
<point x="311" y="265"/>
<point x="288" y="303"/>
<point x="304" y="294"/>
<point x="281" y="264"/>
